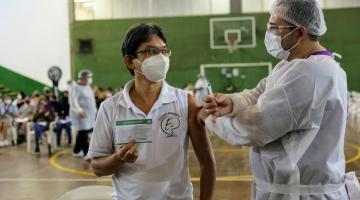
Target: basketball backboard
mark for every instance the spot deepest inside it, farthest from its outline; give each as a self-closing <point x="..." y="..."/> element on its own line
<point x="240" y="29"/>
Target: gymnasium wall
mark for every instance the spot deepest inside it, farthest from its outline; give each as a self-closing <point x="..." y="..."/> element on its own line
<point x="34" y="36"/>
<point x="188" y="37"/>
<point x="14" y="82"/>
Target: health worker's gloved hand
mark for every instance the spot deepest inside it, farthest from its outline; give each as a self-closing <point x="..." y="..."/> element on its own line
<point x="218" y="105"/>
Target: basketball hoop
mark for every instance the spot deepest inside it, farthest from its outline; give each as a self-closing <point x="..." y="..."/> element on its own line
<point x="232" y="44"/>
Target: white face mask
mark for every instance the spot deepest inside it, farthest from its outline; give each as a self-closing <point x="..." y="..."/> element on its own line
<point x="155" y="68"/>
<point x="273" y="45"/>
<point x="7" y="101"/>
<point x="90" y="81"/>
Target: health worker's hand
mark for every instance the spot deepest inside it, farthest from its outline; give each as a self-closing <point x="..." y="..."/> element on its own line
<point x="218" y="105"/>
<point x="82" y="115"/>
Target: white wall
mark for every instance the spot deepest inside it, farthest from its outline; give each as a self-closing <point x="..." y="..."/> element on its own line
<point x="116" y="9"/>
<point x="341" y="3"/>
<point x="34" y="36"/>
<point x="265" y="5"/>
<point x="103" y="10"/>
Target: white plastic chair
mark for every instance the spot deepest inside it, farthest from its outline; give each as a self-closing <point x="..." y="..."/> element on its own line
<point x="14" y="135"/>
<point x="88" y="193"/>
<point x="354" y="110"/>
<point x="50" y="136"/>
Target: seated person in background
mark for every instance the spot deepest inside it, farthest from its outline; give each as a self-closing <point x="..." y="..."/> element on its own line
<point x="63" y="121"/>
<point x="100" y="96"/>
<point x="8" y="112"/>
<point x="51" y="99"/>
<point x="25" y="115"/>
<point x="230" y="88"/>
<point x="44" y="114"/>
<point x="109" y="92"/>
<point x="34" y="100"/>
<point x="20" y="99"/>
<point x="141" y="135"/>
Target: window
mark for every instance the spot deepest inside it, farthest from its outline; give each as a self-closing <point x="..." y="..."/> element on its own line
<point x="120" y="9"/>
<point x="85" y="46"/>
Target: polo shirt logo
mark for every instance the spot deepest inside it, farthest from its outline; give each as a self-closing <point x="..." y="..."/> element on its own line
<point x="169" y="123"/>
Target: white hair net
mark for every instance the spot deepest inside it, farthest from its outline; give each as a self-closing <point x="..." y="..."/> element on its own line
<point x="84" y="73"/>
<point x="305" y="13"/>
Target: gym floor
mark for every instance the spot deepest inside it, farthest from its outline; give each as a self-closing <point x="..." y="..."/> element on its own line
<point x="24" y="176"/>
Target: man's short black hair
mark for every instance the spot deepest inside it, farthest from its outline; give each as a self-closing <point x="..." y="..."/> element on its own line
<point x="137" y="35"/>
<point x="314" y="37"/>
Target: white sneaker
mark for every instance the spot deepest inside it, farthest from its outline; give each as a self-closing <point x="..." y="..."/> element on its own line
<point x="2" y="143"/>
<point x="80" y="154"/>
<point x="6" y="142"/>
<point x="87" y="158"/>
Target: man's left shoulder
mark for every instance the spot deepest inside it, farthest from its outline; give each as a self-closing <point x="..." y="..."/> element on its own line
<point x="322" y="64"/>
<point x="175" y="90"/>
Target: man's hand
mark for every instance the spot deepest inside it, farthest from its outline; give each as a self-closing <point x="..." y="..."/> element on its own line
<point x="82" y="114"/>
<point x="218" y="105"/>
<point x="128" y="153"/>
<point x="107" y="165"/>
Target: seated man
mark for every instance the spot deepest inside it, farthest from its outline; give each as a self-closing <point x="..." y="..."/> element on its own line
<point x="141" y="134"/>
<point x="63" y="121"/>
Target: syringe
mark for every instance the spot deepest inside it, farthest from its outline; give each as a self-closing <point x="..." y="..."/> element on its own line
<point x="210" y="89"/>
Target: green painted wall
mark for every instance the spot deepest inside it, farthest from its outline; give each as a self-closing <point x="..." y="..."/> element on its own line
<point x="17" y="82"/>
<point x="188" y="37"/>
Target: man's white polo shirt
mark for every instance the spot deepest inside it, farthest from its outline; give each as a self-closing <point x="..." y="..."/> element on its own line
<point x="161" y="170"/>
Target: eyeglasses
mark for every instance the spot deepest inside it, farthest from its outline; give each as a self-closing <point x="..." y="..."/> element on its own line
<point x="271" y="27"/>
<point x="153" y="52"/>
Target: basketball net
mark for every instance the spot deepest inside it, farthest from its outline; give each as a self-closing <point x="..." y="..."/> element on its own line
<point x="232" y="42"/>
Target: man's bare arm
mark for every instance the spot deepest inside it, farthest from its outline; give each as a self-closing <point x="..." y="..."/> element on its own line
<point x="203" y="151"/>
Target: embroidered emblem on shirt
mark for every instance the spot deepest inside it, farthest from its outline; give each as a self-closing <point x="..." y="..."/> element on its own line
<point x="169" y="123"/>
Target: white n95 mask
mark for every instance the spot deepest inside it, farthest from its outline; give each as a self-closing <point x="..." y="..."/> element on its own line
<point x="273" y="45"/>
<point x="90" y="81"/>
<point x="155" y="68"/>
<point x="7" y="101"/>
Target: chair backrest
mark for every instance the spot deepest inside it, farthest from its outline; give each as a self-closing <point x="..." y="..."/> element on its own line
<point x="88" y="193"/>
